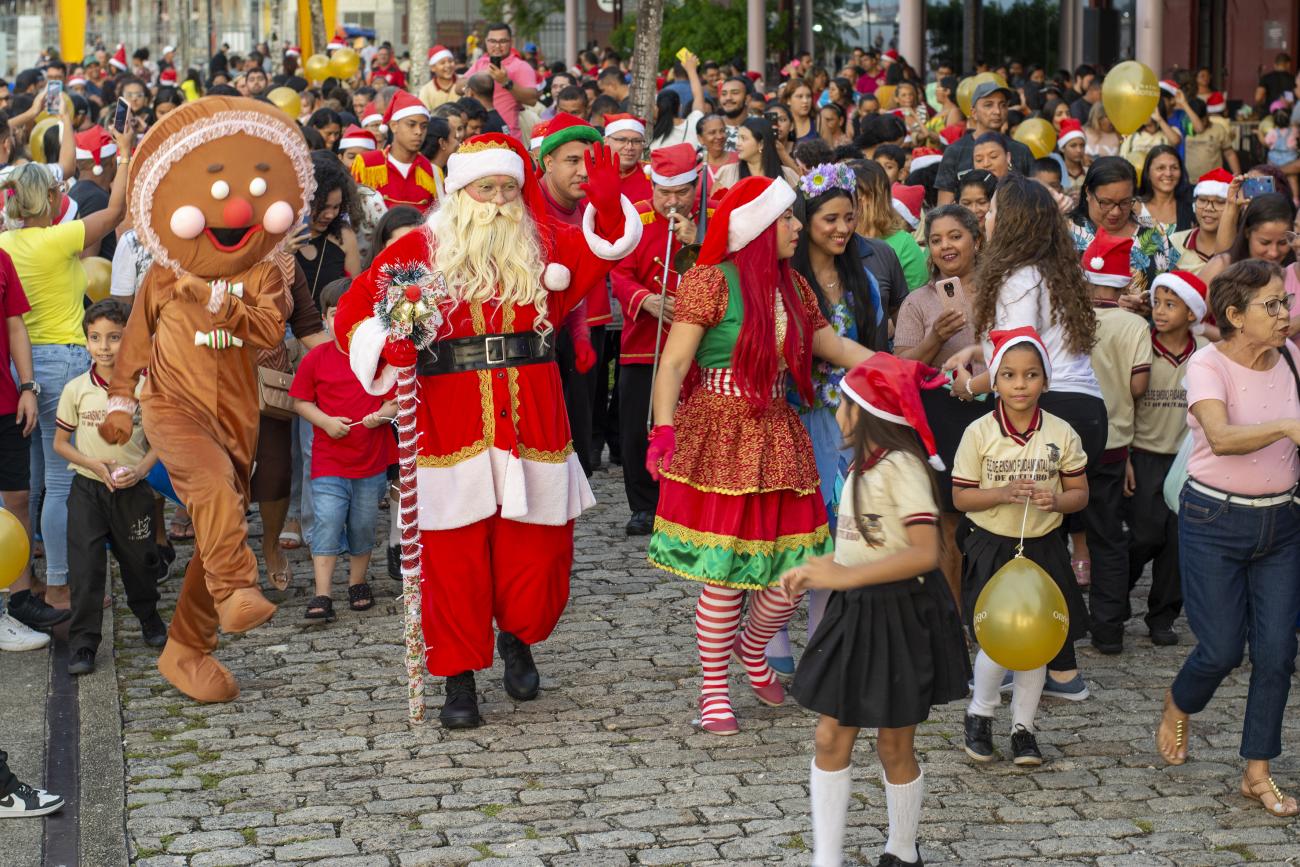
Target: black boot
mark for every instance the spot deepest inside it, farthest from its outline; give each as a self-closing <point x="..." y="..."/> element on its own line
<point x="460" y="710"/>
<point x="521" y="680"/>
<point x="641" y="524"/>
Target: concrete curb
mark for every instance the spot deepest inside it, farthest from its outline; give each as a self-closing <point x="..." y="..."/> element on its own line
<point x="103" y="789"/>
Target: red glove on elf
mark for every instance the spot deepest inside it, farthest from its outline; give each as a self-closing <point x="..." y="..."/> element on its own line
<point x="659" y="455"/>
<point x="400" y="353"/>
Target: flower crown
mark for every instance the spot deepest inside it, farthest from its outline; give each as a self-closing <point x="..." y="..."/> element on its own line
<point x="827" y="177"/>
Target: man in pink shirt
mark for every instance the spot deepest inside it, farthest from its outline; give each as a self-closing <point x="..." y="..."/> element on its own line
<point x="516" y="81"/>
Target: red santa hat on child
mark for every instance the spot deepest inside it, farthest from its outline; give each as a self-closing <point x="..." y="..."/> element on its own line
<point x="403" y="105"/>
<point x="339" y="40"/>
<point x="890" y="387"/>
<point x="1188" y="287"/>
<point x="907" y="202"/>
<point x="77" y="81"/>
<point x="1106" y="261"/>
<point x="1169" y="86"/>
<point x="923" y="157"/>
<point x="167" y="77"/>
<point x="371" y="114"/>
<point x="616" y="123"/>
<point x="439" y="53"/>
<point x="1005" y="340"/>
<point x="1216" y="104"/>
<point x="118" y="60"/>
<point x="745" y="212"/>
<point x="356" y="137"/>
<point x="952" y="132"/>
<point x="293" y="51"/>
<point x="673" y="166"/>
<point x="1214" y="183"/>
<point x="1070" y="130"/>
<point x="538" y="134"/>
<point x="95" y="144"/>
<point x="890" y="56"/>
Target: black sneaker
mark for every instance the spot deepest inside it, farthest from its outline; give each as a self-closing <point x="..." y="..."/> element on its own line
<point x="32" y="612"/>
<point x="520" y="679"/>
<point x="395" y="562"/>
<point x="1024" y="747"/>
<point x="154" y="630"/>
<point x="83" y="662"/>
<point x="979" y="738"/>
<point x="26" y="801"/>
<point x="641" y="524"/>
<point x="889" y="859"/>
<point x="1165" y="637"/>
<point x="460" y="709"/>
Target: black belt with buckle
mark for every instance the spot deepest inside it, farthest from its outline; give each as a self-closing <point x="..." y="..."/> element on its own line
<point x="483" y="352"/>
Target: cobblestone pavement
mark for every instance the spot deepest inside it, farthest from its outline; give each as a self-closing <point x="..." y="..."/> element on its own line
<point x="315" y="762"/>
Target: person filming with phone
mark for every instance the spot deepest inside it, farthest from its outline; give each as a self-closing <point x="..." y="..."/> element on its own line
<point x="516" y="81"/>
<point x="1268" y="231"/>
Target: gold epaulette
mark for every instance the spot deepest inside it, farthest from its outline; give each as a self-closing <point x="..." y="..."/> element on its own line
<point x="372" y="176"/>
<point x="425" y="181"/>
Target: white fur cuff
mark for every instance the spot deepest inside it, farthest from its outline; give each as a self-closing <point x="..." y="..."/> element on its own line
<point x="364" y="351"/>
<point x="121" y="404"/>
<point x="613" y="251"/>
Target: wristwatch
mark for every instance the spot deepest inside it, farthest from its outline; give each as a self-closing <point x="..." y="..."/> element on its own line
<point x="34" y="387"/>
<point x="509" y="84"/>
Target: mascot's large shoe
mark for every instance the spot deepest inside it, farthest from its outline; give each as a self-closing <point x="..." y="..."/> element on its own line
<point x="217" y="185"/>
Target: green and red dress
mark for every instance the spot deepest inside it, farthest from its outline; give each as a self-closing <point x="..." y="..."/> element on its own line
<point x="740" y="502"/>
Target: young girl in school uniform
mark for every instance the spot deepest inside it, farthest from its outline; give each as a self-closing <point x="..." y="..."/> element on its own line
<point x="889" y="646"/>
<point x="1017" y="471"/>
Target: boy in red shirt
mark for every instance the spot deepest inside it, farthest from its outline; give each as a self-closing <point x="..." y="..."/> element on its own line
<point x="352" y="449"/>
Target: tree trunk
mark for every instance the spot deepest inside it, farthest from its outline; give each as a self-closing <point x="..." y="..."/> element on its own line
<point x="420" y="22"/>
<point x="972" y="40"/>
<point x="319" y="38"/>
<point x="645" y="57"/>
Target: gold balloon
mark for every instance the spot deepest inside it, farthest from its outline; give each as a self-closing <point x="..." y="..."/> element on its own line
<point x="966" y="89"/>
<point x="99" y="273"/>
<point x="1130" y="94"/>
<point x="1038" y="135"/>
<point x="14" y="548"/>
<point x="316" y="68"/>
<point x="885" y="94"/>
<point x="1020" y="618"/>
<point x="287" y="100"/>
<point x="1138" y="160"/>
<point x="344" y="64"/>
<point x="36" y="142"/>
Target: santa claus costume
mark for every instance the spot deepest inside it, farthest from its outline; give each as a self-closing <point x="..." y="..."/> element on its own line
<point x="739" y="497"/>
<point x="498" y="483"/>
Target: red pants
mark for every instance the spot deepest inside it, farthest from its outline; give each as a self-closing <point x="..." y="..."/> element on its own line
<point x="513" y="572"/>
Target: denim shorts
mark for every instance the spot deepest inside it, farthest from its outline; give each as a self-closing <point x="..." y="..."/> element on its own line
<point x="346" y="510"/>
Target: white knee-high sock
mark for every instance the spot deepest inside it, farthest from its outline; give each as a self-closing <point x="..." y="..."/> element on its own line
<point x="829" y="797"/>
<point x="985" y="698"/>
<point x="904" y="805"/>
<point x="1024" y="697"/>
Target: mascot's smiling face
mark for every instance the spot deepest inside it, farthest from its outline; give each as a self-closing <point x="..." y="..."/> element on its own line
<point x="219" y="184"/>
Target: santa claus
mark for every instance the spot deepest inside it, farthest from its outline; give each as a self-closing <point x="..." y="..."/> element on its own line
<point x="498" y="483"/>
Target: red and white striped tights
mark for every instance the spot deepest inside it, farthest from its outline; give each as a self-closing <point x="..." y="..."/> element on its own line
<point x="717" y="618"/>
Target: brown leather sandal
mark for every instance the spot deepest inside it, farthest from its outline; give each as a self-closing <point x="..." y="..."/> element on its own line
<point x="1178" y="754"/>
<point x="1258" y="790"/>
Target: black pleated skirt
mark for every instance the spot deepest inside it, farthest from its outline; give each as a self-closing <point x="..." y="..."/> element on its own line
<point x="884" y="655"/>
<point x="984" y="553"/>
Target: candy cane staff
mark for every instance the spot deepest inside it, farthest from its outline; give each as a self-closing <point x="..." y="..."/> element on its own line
<point x="497" y="482"/>
<point x="739" y="500"/>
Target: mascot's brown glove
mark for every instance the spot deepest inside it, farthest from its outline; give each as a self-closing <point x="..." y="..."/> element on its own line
<point x="191" y="288"/>
<point x="116" y="427"/>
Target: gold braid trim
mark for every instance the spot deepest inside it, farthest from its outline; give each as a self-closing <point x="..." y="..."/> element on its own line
<point x="475" y="147"/>
<point x="734" y="492"/>
<point x="689" y="577"/>
<point x="544" y="457"/>
<point x="701" y="539"/>
<point x="456" y="457"/>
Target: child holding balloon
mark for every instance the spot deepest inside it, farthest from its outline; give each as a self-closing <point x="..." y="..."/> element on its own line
<point x="889" y="646"/>
<point x="1017" y="471"/>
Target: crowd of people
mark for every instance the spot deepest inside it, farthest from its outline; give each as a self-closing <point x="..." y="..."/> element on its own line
<point x="878" y="345"/>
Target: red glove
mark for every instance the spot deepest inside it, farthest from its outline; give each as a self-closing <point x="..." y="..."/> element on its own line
<point x="603" y="185"/>
<point x="584" y="355"/>
<point x="658" y="457"/>
<point x="400" y="353"/>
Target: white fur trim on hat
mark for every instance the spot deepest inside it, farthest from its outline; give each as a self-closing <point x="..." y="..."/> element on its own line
<point x="627" y="124"/>
<point x="919" y="163"/>
<point x="1217" y="189"/>
<point x="876" y="411"/>
<point x="1183" y="290"/>
<point x="374" y="117"/>
<point x="409" y="111"/>
<point x="440" y="56"/>
<point x="556" y="277"/>
<point x="615" y="250"/>
<point x="367" y="143"/>
<point x="364" y="350"/>
<point x="751" y="219"/>
<point x="1114" y="281"/>
<point x="1068" y="137"/>
<point x="674" y="180"/>
<point x="1168" y="87"/>
<point x="1216" y="107"/>
<point x="903" y="211"/>
<point x="536" y="142"/>
<point x="996" y="361"/>
<point x="464" y="169"/>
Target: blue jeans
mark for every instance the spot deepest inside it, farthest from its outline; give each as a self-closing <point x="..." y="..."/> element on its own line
<point x="302" y="454"/>
<point x="345" y="504"/>
<point x="1241" y="585"/>
<point x="54" y="366"/>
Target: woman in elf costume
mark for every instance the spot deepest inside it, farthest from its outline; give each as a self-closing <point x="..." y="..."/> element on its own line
<point x="739" y="501"/>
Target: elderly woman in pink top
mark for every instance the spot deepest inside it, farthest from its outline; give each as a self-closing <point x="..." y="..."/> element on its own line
<point x="1239" y="535"/>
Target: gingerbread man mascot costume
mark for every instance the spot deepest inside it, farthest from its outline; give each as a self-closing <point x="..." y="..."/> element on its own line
<point x="497" y="483"/>
<point x="216" y="187"/>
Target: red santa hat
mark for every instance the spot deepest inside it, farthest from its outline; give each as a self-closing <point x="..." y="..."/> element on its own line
<point x="118" y="60"/>
<point x="923" y="157"/>
<point x="745" y="212"/>
<point x="67" y="209"/>
<point x="95" y="144"/>
<point x="907" y="202"/>
<point x="1005" y="340"/>
<point x="439" y="53"/>
<point x="167" y="77"/>
<point x="616" y="123"/>
<point x="357" y="137"/>
<point x="1070" y="130"/>
<point x="1216" y="104"/>
<point x="1214" y="183"/>
<point x="1169" y="86"/>
<point x="371" y="114"/>
<point x="890" y="56"/>
<point x="537" y="135"/>
<point x="77" y="81"/>
<point x="403" y="105"/>
<point x="293" y="51"/>
<point x="952" y="132"/>
<point x="890" y="387"/>
<point x="1106" y="261"/>
<point x="339" y="40"/>
<point x="673" y="166"/>
<point x="1188" y="287"/>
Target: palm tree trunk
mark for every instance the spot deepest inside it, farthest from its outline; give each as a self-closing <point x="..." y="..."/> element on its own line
<point x="420" y="21"/>
<point x="319" y="38"/>
<point x="645" y="57"/>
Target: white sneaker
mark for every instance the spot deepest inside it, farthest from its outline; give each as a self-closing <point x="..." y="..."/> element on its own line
<point x="26" y="801"/>
<point x="16" y="636"/>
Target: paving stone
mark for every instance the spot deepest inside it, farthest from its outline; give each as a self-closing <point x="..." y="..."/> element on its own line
<point x="313" y="849"/>
<point x="204" y="841"/>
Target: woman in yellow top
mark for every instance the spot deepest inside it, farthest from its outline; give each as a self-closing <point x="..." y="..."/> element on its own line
<point x="47" y="257"/>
